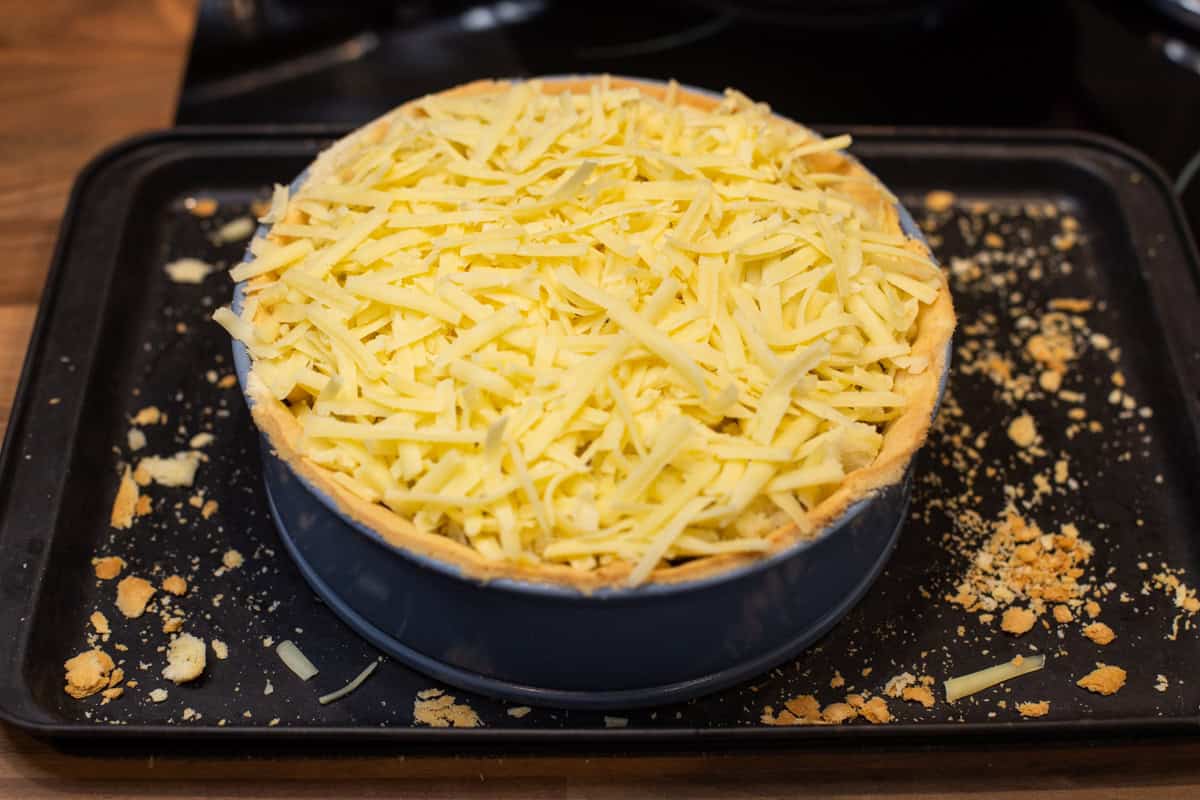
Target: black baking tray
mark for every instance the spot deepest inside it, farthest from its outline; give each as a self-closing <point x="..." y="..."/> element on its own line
<point x="114" y="335"/>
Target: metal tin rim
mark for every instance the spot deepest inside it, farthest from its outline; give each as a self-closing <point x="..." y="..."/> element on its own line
<point x="242" y="364"/>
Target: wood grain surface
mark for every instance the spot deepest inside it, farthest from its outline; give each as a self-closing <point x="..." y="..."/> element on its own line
<point x="75" y="77"/>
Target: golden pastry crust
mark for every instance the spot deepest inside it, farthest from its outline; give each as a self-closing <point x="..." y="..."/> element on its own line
<point x="902" y="437"/>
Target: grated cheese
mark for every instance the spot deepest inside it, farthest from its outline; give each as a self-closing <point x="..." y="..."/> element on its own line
<point x="967" y="685"/>
<point x="579" y="328"/>
<point x="334" y="696"/>
<point x="295" y="660"/>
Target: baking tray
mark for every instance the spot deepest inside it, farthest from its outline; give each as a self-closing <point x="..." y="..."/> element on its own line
<point x="114" y="335"/>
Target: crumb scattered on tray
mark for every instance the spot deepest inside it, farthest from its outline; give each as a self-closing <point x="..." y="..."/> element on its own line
<point x="918" y="694"/>
<point x="202" y="207"/>
<point x="175" y="584"/>
<point x="133" y="594"/>
<point x="876" y="711"/>
<point x="135" y="439"/>
<point x="233" y="231"/>
<point x="100" y="623"/>
<point x="1017" y="621"/>
<point x="1099" y="633"/>
<point x="837" y="713"/>
<point x="940" y="200"/>
<point x="220" y="649"/>
<point x="108" y="567"/>
<point x="1105" y="679"/>
<point x="804" y="707"/>
<point x="519" y="712"/>
<point x="436" y="709"/>
<point x="1021" y="563"/>
<point x="1038" y="709"/>
<point x="125" y="503"/>
<point x="88" y="673"/>
<point x="186" y="658"/>
<point x="1023" y="431"/>
<point x="158" y="695"/>
<point x="150" y="415"/>
<point x="232" y="559"/>
<point x="200" y="440"/>
<point x="177" y="470"/>
<point x="189" y="270"/>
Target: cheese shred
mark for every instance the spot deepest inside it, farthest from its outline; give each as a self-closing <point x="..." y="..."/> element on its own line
<point x="592" y="329"/>
<point x="967" y="685"/>
<point x="294" y="660"/>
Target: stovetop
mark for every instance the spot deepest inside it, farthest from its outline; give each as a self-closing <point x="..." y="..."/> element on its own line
<point x="1118" y="67"/>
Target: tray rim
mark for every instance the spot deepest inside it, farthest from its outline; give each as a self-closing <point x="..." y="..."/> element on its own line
<point x="912" y="733"/>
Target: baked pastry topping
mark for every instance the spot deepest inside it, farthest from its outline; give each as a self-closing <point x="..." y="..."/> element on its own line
<point x="592" y="324"/>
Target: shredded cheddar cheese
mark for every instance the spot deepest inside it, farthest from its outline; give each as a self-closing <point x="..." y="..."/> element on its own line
<point x="578" y="328"/>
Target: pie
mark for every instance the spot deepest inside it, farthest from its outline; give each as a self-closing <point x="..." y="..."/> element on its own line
<point x="592" y="332"/>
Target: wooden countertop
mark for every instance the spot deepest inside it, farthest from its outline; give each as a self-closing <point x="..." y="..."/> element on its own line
<point x="75" y="77"/>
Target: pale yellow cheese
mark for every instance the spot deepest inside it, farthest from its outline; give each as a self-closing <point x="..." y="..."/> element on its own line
<point x="584" y="328"/>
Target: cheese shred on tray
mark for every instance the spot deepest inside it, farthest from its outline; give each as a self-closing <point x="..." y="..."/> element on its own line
<point x="592" y="332"/>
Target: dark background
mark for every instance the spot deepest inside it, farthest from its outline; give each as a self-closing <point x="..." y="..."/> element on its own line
<point x="1129" y="69"/>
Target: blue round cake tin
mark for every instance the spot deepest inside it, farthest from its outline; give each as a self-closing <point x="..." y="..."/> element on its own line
<point x="551" y="645"/>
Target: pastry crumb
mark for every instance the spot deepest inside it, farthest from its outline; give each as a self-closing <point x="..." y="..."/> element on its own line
<point x="232" y="559"/>
<point x="1099" y="633"/>
<point x="87" y="673"/>
<point x="125" y="503"/>
<point x="133" y="594"/>
<point x="1062" y="613"/>
<point x="837" y="713"/>
<point x="1017" y="621"/>
<point x="175" y="585"/>
<point x="519" y="712"/>
<point x="439" y="710"/>
<point x="1023" y="431"/>
<point x="202" y="207"/>
<point x="158" y="695"/>
<point x="177" y="470"/>
<point x="876" y="711"/>
<point x="837" y="681"/>
<point x="188" y="270"/>
<point x="1105" y="680"/>
<point x="233" y="231"/>
<point x="108" y="567"/>
<point x="220" y="649"/>
<point x="918" y="694"/>
<point x="200" y="440"/>
<point x="1031" y="710"/>
<point x="804" y="707"/>
<point x="100" y="623"/>
<point x="185" y="659"/>
<point x="208" y="509"/>
<point x="939" y="200"/>
<point x="150" y="415"/>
